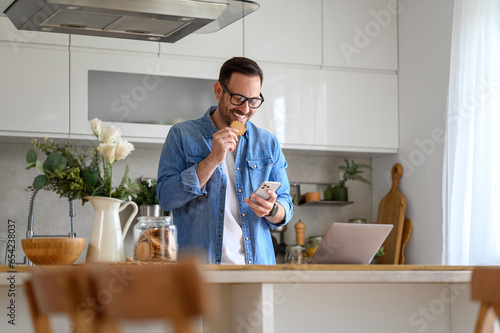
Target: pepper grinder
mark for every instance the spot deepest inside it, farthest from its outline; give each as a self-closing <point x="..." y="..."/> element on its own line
<point x="300" y="228"/>
<point x="295" y="254"/>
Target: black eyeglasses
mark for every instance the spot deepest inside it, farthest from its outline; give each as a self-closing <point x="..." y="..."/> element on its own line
<point x="253" y="103"/>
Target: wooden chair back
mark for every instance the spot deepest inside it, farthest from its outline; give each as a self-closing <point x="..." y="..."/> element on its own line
<point x="485" y="288"/>
<point x="60" y="291"/>
<point x="173" y="292"/>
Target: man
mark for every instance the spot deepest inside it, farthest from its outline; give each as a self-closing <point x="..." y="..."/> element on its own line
<point x="207" y="175"/>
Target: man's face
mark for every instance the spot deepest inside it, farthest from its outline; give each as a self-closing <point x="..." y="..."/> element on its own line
<point x="248" y="86"/>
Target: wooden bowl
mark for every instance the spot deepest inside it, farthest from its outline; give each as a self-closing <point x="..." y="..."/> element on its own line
<point x="53" y="251"/>
<point x="312" y="196"/>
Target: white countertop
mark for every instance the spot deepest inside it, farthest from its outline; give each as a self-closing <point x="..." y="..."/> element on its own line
<point x="292" y="276"/>
<point x="329" y="274"/>
<point x="338" y="274"/>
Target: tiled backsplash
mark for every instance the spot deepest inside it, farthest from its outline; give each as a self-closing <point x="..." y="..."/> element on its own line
<point x="52" y="213"/>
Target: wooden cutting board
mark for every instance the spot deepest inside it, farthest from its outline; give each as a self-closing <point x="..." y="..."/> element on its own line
<point x="406" y="235"/>
<point x="392" y="211"/>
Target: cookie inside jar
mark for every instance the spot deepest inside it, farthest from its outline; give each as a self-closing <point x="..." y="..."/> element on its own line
<point x="155" y="239"/>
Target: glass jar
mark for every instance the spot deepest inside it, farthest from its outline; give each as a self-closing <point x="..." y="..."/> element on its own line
<point x="295" y="254"/>
<point x="155" y="239"/>
<point x="295" y="193"/>
<point x="357" y="220"/>
<point x="312" y="245"/>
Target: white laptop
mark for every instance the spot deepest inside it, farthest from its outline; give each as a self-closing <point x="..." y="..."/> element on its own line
<point x="350" y="243"/>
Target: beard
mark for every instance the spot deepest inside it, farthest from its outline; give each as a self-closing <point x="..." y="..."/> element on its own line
<point x="226" y="113"/>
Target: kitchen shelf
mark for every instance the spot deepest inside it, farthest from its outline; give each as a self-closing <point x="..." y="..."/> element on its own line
<point x="325" y="203"/>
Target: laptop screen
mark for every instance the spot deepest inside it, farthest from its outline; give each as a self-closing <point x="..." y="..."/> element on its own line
<point x="350" y="243"/>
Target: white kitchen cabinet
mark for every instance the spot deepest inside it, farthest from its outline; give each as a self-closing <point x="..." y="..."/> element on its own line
<point x="152" y="71"/>
<point x="34" y="88"/>
<point x="34" y="91"/>
<point x="225" y="43"/>
<point x="360" y="34"/>
<point x="284" y="31"/>
<point x="311" y="109"/>
<point x="314" y="100"/>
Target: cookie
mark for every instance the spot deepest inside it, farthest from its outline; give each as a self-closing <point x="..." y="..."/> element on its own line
<point x="239" y="126"/>
<point x="156" y="244"/>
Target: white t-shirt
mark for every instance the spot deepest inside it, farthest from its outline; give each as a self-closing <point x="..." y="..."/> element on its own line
<point x="233" y="249"/>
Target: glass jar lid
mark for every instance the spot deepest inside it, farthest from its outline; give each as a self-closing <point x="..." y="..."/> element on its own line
<point x="154" y="222"/>
<point x="295" y="247"/>
<point x="158" y="219"/>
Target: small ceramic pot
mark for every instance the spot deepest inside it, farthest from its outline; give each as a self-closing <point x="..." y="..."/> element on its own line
<point x="339" y="193"/>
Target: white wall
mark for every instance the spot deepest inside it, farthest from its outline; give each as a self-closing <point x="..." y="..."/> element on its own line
<point x="424" y="57"/>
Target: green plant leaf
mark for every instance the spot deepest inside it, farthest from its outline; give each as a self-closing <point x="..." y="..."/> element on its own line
<point x="40" y="181"/>
<point x="31" y="156"/>
<point x="90" y="177"/>
<point x="54" y="161"/>
<point x="39" y="166"/>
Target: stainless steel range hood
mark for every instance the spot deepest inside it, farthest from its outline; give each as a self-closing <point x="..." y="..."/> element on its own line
<point x="159" y="20"/>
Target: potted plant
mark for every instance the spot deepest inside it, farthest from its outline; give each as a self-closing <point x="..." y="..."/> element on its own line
<point x="349" y="172"/>
<point x="379" y="253"/>
<point x="146" y="199"/>
<point x="77" y="174"/>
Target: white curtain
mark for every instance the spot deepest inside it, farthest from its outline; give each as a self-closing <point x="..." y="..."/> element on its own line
<point x="471" y="176"/>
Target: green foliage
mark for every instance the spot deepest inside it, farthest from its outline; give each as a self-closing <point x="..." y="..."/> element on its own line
<point x="126" y="188"/>
<point x="147" y="194"/>
<point x="73" y="174"/>
<point x="380" y="252"/>
<point x="55" y="161"/>
<point x="352" y="172"/>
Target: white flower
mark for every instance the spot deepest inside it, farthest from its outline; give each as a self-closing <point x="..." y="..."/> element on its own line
<point x="110" y="134"/>
<point x="123" y="149"/>
<point x="95" y="125"/>
<point x="107" y="151"/>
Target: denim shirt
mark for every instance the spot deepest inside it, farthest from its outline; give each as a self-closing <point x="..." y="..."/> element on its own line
<point x="199" y="212"/>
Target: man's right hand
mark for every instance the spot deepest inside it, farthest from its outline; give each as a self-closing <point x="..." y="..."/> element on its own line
<point x="222" y="141"/>
<point x="225" y="139"/>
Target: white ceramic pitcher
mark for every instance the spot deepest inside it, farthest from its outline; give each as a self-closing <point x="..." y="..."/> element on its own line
<point x="106" y="237"/>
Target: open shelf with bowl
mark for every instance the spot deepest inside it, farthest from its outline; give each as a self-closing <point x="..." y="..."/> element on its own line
<point x="297" y="188"/>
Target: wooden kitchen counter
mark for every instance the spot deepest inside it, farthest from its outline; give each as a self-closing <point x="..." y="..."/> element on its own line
<point x="338" y="274"/>
<point x="280" y="267"/>
<point x="286" y="273"/>
<point x="296" y="298"/>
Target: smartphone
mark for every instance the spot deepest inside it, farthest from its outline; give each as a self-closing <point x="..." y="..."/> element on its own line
<point x="261" y="191"/>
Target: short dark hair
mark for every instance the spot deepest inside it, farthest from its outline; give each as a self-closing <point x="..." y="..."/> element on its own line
<point x="239" y="65"/>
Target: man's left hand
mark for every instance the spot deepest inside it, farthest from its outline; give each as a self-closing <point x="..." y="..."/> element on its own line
<point x="263" y="207"/>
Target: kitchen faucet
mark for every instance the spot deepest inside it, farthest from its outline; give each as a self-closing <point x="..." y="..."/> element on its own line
<point x="31" y="219"/>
